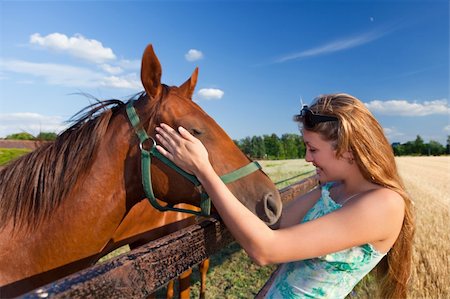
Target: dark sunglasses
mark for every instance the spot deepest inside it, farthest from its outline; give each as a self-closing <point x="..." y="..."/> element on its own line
<point x="310" y="119"/>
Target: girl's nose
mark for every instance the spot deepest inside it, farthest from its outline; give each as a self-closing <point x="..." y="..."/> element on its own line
<point x="308" y="157"/>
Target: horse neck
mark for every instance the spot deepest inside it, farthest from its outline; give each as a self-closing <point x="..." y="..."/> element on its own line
<point x="102" y="195"/>
<point x="84" y="222"/>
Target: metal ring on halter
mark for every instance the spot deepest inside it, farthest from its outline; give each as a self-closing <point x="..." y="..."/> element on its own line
<point x="141" y="146"/>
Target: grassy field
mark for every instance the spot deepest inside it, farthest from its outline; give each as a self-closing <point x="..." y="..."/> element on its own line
<point x="8" y="154"/>
<point x="427" y="179"/>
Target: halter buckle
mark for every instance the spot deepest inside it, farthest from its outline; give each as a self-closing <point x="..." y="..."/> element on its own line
<point x="141" y="144"/>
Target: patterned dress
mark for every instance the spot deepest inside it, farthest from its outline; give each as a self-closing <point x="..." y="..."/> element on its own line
<point x="330" y="276"/>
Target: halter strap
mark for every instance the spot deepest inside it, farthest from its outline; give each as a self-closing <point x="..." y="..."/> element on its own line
<point x="205" y="201"/>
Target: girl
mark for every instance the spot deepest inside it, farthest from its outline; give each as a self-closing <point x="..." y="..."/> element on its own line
<point x="330" y="238"/>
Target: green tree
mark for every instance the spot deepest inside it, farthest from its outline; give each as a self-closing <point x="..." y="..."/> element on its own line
<point x="21" y="136"/>
<point x="448" y="145"/>
<point x="418" y="146"/>
<point x="259" y="148"/>
<point x="397" y="148"/>
<point x="291" y="144"/>
<point x="301" y="147"/>
<point x="47" y="136"/>
<point x="246" y="146"/>
<point x="273" y="146"/>
<point x="435" y="148"/>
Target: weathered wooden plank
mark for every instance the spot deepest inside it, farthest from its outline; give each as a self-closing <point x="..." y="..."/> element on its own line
<point x="142" y="271"/>
<point x="138" y="273"/>
<point x="301" y="187"/>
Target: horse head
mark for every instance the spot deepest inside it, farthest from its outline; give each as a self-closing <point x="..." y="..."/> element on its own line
<point x="174" y="106"/>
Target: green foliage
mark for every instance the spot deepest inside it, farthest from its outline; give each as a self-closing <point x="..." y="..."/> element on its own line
<point x="291" y="146"/>
<point x="47" y="136"/>
<point x="419" y="148"/>
<point x="447" y="147"/>
<point x="21" y="136"/>
<point x="258" y="147"/>
<point x="9" y="154"/>
<point x="44" y="136"/>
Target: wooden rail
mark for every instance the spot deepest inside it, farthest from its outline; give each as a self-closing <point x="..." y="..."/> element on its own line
<point x="144" y="270"/>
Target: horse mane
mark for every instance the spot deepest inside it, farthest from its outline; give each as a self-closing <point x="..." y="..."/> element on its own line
<point x="32" y="186"/>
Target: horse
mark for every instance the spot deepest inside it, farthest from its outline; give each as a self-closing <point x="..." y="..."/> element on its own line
<point x="61" y="204"/>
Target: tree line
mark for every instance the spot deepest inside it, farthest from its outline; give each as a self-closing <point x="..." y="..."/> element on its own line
<point x="43" y="136"/>
<point x="291" y="146"/>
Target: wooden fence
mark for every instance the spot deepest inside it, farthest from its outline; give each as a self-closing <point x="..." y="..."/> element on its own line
<point x="142" y="271"/>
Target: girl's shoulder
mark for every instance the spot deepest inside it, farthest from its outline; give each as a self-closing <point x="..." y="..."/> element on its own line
<point x="383" y="195"/>
<point x="380" y="201"/>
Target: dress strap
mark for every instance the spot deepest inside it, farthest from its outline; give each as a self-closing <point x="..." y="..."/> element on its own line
<point x="354" y="195"/>
<point x="350" y="197"/>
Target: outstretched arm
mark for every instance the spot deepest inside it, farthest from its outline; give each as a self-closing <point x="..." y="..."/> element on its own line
<point x="375" y="217"/>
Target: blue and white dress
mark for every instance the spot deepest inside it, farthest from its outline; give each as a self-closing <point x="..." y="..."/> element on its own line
<point x="330" y="276"/>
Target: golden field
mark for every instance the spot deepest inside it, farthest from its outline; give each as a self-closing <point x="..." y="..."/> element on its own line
<point x="427" y="179"/>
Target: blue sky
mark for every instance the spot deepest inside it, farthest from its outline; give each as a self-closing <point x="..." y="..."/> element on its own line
<point x="256" y="59"/>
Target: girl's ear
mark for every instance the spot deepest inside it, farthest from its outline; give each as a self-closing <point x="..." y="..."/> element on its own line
<point x="348" y="155"/>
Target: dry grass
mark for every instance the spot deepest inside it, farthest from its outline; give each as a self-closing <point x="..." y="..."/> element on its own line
<point x="286" y="172"/>
<point x="427" y="180"/>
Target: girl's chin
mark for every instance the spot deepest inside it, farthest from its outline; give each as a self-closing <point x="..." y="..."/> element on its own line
<point x="321" y="177"/>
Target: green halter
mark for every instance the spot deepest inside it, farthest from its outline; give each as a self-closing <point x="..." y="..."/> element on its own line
<point x="205" y="201"/>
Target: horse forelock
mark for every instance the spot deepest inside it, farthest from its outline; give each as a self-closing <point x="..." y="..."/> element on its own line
<point x="32" y="186"/>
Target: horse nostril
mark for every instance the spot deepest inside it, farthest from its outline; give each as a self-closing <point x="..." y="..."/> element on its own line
<point x="272" y="208"/>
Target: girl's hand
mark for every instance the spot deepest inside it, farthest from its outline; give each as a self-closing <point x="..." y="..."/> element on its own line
<point x="183" y="149"/>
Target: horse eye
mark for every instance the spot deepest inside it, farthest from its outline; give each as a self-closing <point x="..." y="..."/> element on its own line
<point x="196" y="131"/>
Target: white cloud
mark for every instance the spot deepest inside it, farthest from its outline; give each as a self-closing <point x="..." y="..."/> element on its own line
<point x="210" y="94"/>
<point x="73" y="76"/>
<point x="405" y="108"/>
<point x="130" y="64"/>
<point x="114" y="70"/>
<point x="32" y="123"/>
<point x="335" y="46"/>
<point x="447" y="129"/>
<point x="193" y="55"/>
<point x="127" y="82"/>
<point x="392" y="133"/>
<point x="77" y="45"/>
<point x="53" y="73"/>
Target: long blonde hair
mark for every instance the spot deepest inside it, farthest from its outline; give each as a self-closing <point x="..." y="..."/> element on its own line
<point x="358" y="130"/>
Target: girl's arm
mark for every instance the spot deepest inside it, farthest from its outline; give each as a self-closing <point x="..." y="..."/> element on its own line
<point x="370" y="219"/>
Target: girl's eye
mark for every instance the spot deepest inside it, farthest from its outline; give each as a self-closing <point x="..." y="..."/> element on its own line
<point x="312" y="150"/>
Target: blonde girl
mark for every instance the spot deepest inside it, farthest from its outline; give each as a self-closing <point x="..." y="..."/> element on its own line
<point x="330" y="238"/>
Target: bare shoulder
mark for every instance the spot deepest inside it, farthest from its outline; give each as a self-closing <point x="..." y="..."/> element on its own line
<point x="380" y="212"/>
<point x="382" y="204"/>
<point x="383" y="198"/>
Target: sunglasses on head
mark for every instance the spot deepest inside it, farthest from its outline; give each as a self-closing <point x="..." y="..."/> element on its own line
<point x="310" y="119"/>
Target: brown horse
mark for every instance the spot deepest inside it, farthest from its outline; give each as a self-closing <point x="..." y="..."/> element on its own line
<point x="62" y="204"/>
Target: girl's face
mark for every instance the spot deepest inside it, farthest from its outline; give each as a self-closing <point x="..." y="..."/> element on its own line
<point x="322" y="155"/>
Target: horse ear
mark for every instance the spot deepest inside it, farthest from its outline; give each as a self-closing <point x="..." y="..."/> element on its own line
<point x="151" y="72"/>
<point x="187" y="88"/>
